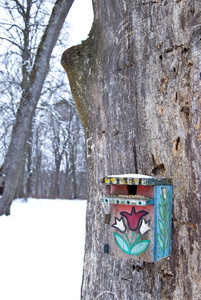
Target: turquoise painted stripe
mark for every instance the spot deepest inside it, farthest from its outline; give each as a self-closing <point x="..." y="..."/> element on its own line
<point x="128" y="201"/>
<point x="162" y="223"/>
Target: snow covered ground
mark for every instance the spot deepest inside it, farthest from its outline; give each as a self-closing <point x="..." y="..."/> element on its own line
<point x="41" y="250"/>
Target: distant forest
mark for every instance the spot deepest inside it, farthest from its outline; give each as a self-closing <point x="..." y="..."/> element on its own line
<point x="53" y="165"/>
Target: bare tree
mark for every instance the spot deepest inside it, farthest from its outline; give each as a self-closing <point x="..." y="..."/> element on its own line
<point x="136" y="83"/>
<point x="59" y="118"/>
<point x="66" y="139"/>
<point x="34" y="71"/>
<point x="57" y="157"/>
<point x="77" y="158"/>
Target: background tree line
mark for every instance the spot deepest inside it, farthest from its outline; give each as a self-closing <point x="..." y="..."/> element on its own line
<point x="51" y="163"/>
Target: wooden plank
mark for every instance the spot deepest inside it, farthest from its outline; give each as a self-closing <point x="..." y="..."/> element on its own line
<point x="140" y="201"/>
<point x="116" y="189"/>
<point x="145" y="190"/>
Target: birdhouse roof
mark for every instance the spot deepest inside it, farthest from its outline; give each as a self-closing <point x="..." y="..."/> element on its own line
<point x="135" y="179"/>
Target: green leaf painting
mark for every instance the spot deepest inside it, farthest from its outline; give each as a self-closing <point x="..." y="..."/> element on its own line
<point x="140" y="247"/>
<point x="135" y="249"/>
<point x="162" y="200"/>
<point x="161" y="211"/>
<point x="161" y="227"/>
<point x="123" y="245"/>
<point x="163" y="223"/>
<point x="160" y="241"/>
<point x="136" y="240"/>
<point x="166" y="240"/>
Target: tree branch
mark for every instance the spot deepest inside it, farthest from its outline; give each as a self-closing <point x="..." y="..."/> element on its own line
<point x="20" y="9"/>
<point x="11" y="42"/>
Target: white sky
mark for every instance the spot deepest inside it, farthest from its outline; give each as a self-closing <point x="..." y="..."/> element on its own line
<point x="80" y="18"/>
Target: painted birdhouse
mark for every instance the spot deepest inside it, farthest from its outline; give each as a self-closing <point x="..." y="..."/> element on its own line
<point x="140" y="217"/>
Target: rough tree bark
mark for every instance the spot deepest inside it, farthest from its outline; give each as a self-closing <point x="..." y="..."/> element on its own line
<point x="15" y="158"/>
<point x="136" y="82"/>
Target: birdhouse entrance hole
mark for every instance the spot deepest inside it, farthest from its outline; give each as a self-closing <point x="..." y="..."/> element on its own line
<point x="129" y="190"/>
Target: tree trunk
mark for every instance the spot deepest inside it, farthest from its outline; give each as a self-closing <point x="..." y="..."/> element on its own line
<point x="73" y="168"/>
<point x="136" y="83"/>
<point x="29" y="183"/>
<point x="15" y="158"/>
<point x="56" y="178"/>
<point x="67" y="178"/>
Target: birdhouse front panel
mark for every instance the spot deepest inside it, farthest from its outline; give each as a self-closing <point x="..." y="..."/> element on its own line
<point x="132" y="233"/>
<point x="140" y="216"/>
